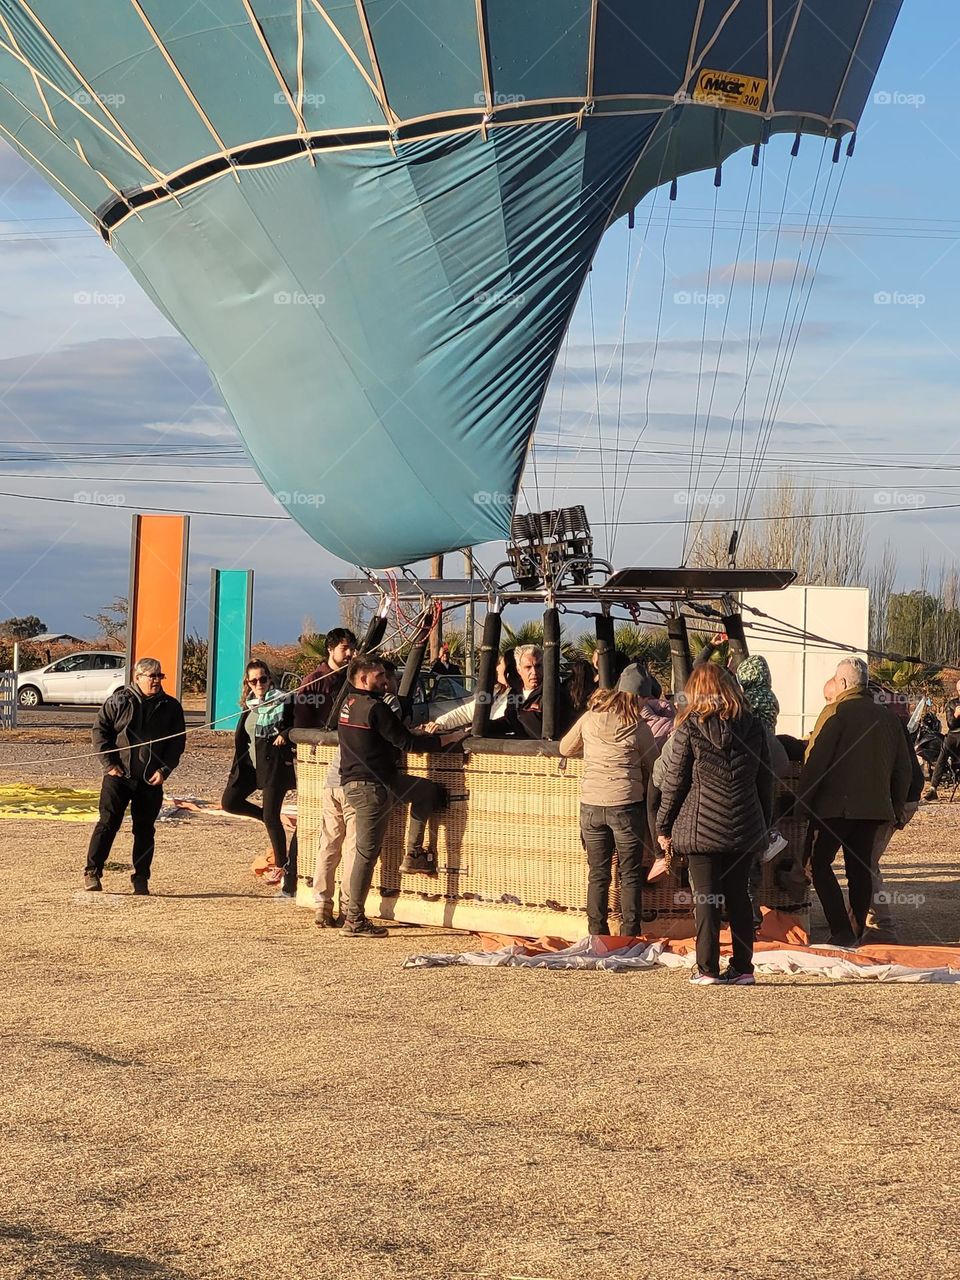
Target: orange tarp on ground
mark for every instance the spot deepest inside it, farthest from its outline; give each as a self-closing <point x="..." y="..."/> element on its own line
<point x="780" y="932"/>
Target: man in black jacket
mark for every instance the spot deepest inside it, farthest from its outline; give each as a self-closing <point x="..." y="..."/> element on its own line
<point x="371" y="739"/>
<point x="139" y="736"/>
<point x="950" y="748"/>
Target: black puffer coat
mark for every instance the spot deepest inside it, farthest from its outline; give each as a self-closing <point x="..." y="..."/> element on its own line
<point x="718" y="788"/>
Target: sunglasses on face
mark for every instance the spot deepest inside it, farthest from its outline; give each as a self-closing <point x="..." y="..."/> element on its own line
<point x="152" y="675"/>
<point x="259" y="680"/>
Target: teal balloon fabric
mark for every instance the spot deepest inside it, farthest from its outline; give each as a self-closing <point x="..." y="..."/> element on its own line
<point x="372" y="219"/>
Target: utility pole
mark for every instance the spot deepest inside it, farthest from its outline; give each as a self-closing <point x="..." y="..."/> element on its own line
<point x="436" y="635"/>
<point x="469" y="619"/>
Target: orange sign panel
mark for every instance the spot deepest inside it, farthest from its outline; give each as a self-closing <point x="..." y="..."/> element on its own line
<point x="158" y="595"/>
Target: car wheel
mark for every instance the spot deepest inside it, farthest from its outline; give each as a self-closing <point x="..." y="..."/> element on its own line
<point x="29" y="696"/>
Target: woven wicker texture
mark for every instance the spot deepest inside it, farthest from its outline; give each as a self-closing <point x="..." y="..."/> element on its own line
<point x="508" y="841"/>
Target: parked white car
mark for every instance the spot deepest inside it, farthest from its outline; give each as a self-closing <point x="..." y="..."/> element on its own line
<point x="79" y="677"/>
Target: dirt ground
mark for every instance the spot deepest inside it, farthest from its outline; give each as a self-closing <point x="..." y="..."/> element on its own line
<point x="201" y="1084"/>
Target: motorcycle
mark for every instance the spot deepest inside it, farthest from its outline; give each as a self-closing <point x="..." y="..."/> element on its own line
<point x="927" y="737"/>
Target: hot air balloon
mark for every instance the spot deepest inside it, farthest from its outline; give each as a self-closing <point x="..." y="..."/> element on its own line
<point x="373" y="220"/>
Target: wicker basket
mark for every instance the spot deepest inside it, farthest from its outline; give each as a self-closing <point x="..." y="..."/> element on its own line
<point x="508" y="848"/>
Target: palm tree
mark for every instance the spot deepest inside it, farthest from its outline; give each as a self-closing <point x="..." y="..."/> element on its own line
<point x="532" y="633"/>
<point x="904" y="677"/>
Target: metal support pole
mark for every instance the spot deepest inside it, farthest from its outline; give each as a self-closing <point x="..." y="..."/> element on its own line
<point x="469" y="620"/>
<point x="551" y="672"/>
<point x="414" y="662"/>
<point x="679" y="652"/>
<point x="736" y="640"/>
<point x="605" y="649"/>
<point x="489" y="657"/>
<point x="436" y="636"/>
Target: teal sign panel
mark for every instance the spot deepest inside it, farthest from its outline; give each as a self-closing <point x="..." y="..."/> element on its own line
<point x="231" y="612"/>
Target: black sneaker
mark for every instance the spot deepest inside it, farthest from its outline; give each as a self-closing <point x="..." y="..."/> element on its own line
<point x="91" y="882"/>
<point x="140" y="888"/>
<point x="363" y="929"/>
<point x="732" y="978"/>
<point x="325" y="919"/>
<point x="419" y="862"/>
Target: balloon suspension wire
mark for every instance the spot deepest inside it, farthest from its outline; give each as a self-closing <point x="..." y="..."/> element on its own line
<point x="760" y="447"/>
<point x="599" y="412"/>
<point x="754" y="355"/>
<point x="804" y="302"/>
<point x="618" y="350"/>
<point x="752" y="350"/>
<point x="707" y="504"/>
<point x="623" y="351"/>
<point x="557" y="447"/>
<point x="653" y="364"/>
<point x="800" y="300"/>
<point x="688" y="512"/>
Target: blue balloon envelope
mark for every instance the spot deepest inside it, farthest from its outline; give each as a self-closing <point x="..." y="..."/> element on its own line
<point x="372" y="220"/>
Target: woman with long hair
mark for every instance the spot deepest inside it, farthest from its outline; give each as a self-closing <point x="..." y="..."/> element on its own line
<point x="618" y="753"/>
<point x="507" y="685"/>
<point x="716" y="810"/>
<point x="263" y="761"/>
<point x="577" y="689"/>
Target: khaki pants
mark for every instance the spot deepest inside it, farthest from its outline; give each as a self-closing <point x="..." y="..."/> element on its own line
<point x="338" y="842"/>
<point x="880" y="922"/>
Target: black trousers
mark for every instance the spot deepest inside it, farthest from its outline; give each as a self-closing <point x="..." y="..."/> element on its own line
<point x="856" y="837"/>
<point x="145" y="804"/>
<point x="950" y="748"/>
<point x="719" y="880"/>
<point x="605" y="830"/>
<point x="372" y="803"/>
<point x="234" y="800"/>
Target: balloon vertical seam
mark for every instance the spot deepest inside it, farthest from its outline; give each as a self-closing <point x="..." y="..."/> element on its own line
<point x="259" y="32"/>
<point x="36" y="80"/>
<point x="194" y="101"/>
<point x="94" y="97"/>
<point x="391" y="117"/>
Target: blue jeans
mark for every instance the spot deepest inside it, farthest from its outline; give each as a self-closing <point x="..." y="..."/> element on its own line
<point x="605" y="830"/>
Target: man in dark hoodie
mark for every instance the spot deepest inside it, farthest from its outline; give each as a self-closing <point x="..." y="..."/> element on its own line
<point x="139" y="736"/>
<point x="314" y="701"/>
<point x="371" y="739"/>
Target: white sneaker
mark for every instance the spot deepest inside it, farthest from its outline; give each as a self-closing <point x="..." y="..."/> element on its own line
<point x="776" y="845"/>
<point x="704" y="980"/>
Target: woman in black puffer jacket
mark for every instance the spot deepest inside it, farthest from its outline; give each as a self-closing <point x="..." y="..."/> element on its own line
<point x="716" y="809"/>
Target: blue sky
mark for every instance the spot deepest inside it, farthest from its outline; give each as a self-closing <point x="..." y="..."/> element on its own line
<point x="870" y="403"/>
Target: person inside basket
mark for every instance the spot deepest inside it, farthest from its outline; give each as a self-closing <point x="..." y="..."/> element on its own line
<point x="618" y="753"/>
<point x="507" y="685"/>
<point x="371" y="740"/>
<point x="715" y="810"/>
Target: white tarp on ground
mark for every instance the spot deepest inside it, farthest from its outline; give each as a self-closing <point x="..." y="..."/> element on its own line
<point x="587" y="954"/>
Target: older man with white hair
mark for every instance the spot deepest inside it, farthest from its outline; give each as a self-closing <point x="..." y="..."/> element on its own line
<point x="139" y="736"/>
<point x="856" y="777"/>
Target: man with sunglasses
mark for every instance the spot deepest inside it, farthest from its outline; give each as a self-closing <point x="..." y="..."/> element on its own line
<point x="139" y="736"/>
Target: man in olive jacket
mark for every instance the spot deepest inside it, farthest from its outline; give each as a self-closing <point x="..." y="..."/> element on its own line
<point x="855" y="778"/>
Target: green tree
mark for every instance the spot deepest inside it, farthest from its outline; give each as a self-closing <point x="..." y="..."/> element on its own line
<point x="22" y="628"/>
<point x="920" y="625"/>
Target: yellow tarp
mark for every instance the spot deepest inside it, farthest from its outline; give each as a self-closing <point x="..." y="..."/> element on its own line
<point x="20" y="800"/>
